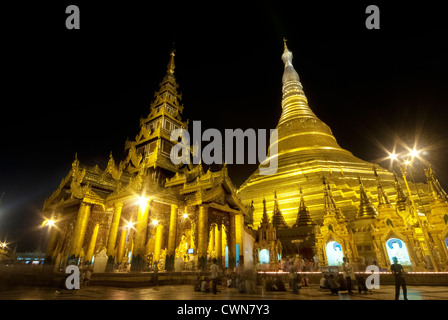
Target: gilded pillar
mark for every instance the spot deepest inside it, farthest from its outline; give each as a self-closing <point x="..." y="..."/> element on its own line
<point x="52" y="240"/>
<point x="231" y="241"/>
<point x="114" y="229"/>
<point x="211" y="244"/>
<point x="239" y="234"/>
<point x="91" y="249"/>
<point x="113" y="236"/>
<point x="121" y="245"/>
<point x="194" y="233"/>
<point x="80" y="229"/>
<point x="169" y="263"/>
<point x="140" y="235"/>
<point x="218" y="243"/>
<point x="158" y="242"/>
<point x="202" y="236"/>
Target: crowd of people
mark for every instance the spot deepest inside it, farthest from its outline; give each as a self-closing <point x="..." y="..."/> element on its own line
<point x="335" y="282"/>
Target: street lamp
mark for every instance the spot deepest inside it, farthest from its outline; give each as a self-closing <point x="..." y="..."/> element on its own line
<point x="403" y="167"/>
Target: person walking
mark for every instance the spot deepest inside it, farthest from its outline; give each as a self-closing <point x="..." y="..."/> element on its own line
<point x="398" y="271"/>
<point x="348" y="273"/>
<point x="293" y="279"/>
<point x="215" y="275"/>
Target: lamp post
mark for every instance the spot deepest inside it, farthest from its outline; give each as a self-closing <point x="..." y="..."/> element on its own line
<point x="403" y="167"/>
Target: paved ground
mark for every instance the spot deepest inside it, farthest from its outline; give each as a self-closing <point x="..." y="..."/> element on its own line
<point x="185" y="292"/>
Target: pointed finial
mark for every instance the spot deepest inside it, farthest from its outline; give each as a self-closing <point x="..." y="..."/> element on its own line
<point x="287" y="55"/>
<point x="170" y="68"/>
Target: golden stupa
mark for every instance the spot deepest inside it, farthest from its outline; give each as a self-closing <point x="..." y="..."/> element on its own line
<point x="307" y="153"/>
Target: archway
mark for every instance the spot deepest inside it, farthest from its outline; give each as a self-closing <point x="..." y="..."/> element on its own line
<point x="397" y="248"/>
<point x="446" y="242"/>
<point x="334" y="253"/>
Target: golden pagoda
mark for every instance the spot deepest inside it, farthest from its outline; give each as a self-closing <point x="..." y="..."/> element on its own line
<point x="353" y="202"/>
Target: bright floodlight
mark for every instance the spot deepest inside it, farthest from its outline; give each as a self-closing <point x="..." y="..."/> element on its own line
<point x="142" y="201"/>
<point x="50" y="223"/>
<point x="414" y="153"/>
<point x="155" y="222"/>
<point x="129" y="225"/>
<point x="393" y="156"/>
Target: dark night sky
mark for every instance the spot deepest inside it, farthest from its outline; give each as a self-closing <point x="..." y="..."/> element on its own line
<point x="67" y="91"/>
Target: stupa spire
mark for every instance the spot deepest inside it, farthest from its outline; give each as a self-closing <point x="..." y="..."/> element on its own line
<point x="366" y="207"/>
<point x="401" y="197"/>
<point x="277" y="217"/>
<point x="435" y="189"/>
<point x="294" y="101"/>
<point x="383" y="200"/>
<point x="303" y="215"/>
<point x="265" y="218"/>
<point x="330" y="206"/>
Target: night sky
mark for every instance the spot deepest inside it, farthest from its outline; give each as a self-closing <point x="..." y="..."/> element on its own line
<point x="67" y="91"/>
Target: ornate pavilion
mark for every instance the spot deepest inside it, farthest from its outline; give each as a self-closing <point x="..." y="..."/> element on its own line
<point x="323" y="202"/>
<point x="146" y="209"/>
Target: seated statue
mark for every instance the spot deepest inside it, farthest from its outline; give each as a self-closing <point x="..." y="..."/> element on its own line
<point x="182" y="249"/>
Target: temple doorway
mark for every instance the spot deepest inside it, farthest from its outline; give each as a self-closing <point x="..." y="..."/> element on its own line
<point x="446" y="242"/>
<point x="397" y="248"/>
<point x="334" y="253"/>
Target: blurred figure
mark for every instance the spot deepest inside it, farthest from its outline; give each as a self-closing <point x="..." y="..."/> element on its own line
<point x="398" y="271"/>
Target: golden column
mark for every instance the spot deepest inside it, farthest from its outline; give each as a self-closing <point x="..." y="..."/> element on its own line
<point x="239" y="234"/>
<point x="80" y="228"/>
<point x="231" y="241"/>
<point x="202" y="236"/>
<point x="91" y="249"/>
<point x="52" y="239"/>
<point x="158" y="242"/>
<point x="169" y="263"/>
<point x="211" y="243"/>
<point x="121" y="245"/>
<point x="114" y="229"/>
<point x="140" y="235"/>
<point x="194" y="232"/>
<point x="218" y="243"/>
